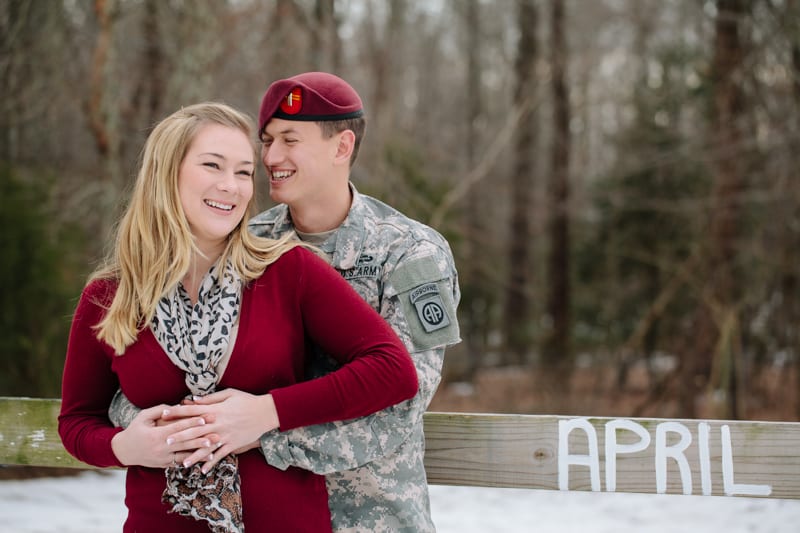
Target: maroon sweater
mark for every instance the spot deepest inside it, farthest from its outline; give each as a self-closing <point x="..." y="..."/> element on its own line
<point x="298" y="300"/>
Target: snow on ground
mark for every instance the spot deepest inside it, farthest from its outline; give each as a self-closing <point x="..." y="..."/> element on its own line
<point x="93" y="503"/>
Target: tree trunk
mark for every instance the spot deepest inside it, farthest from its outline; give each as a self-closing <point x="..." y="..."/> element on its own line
<point x="98" y="114"/>
<point x="145" y="108"/>
<point x="790" y="283"/>
<point x="474" y="301"/>
<point x="103" y="113"/>
<point x="717" y="342"/>
<point x="286" y="41"/>
<point x="8" y="20"/>
<point x="385" y="57"/>
<point x="518" y="297"/>
<point x="556" y="352"/>
<point x="325" y="44"/>
<point x="154" y="88"/>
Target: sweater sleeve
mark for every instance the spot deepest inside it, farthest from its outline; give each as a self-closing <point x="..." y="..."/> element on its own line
<point x="88" y="385"/>
<point x="344" y="445"/>
<point x="377" y="370"/>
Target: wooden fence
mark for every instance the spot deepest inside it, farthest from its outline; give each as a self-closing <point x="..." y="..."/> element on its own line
<point x="701" y="457"/>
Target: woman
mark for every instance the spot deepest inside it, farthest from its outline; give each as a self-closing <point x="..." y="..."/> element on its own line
<point x="188" y="303"/>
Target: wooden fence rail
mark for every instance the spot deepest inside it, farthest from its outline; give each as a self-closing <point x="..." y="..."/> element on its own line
<point x="701" y="457"/>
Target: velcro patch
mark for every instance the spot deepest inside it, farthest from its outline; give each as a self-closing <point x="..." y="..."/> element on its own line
<point x="430" y="308"/>
<point x="426" y="298"/>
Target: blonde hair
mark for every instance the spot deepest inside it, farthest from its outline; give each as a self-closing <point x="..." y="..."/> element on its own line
<point x="154" y="248"/>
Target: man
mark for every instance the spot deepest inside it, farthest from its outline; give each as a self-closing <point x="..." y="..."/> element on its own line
<point x="311" y="127"/>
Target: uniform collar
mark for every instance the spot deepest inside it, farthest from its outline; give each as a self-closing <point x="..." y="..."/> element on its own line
<point x="282" y="223"/>
<point x="345" y="245"/>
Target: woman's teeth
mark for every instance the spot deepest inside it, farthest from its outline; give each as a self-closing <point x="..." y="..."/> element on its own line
<point x="218" y="205"/>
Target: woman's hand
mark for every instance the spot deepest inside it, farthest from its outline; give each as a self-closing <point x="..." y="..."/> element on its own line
<point x="236" y="419"/>
<point x="146" y="442"/>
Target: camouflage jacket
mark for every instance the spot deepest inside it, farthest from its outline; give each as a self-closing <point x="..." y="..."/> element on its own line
<point x="374" y="465"/>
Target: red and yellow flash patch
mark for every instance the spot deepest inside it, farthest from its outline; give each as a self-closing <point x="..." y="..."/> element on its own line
<point x="293" y="102"/>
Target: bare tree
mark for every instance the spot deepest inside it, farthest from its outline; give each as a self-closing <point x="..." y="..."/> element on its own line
<point x="287" y="40"/>
<point x="152" y="84"/>
<point x="103" y="114"/>
<point x="717" y="330"/>
<point x="518" y="307"/>
<point x="98" y="107"/>
<point x="475" y="300"/>
<point x="12" y="30"/>
<point x="384" y="36"/>
<point x="790" y="280"/>
<point x="556" y="351"/>
<point x="325" y="45"/>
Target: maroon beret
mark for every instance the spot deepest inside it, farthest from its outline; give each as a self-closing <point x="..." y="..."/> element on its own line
<point x="312" y="96"/>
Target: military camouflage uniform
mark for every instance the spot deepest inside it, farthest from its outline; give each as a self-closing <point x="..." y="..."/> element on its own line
<point x="374" y="465"/>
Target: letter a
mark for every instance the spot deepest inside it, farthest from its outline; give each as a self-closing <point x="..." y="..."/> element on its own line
<point x="565" y="459"/>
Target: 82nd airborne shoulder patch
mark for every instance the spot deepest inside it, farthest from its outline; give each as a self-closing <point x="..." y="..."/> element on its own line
<point x="431" y="311"/>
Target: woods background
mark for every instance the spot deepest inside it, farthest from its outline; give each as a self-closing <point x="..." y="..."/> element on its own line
<point x="617" y="178"/>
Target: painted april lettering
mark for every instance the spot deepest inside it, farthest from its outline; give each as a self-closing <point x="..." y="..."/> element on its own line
<point x="663" y="453"/>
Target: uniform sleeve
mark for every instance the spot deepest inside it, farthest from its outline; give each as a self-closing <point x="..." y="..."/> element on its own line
<point x="88" y="385"/>
<point x="377" y="371"/>
<point x="350" y="444"/>
<point x="121" y="412"/>
<point x="343" y="445"/>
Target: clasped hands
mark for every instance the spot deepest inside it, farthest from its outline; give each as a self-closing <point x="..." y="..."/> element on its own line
<point x="202" y="430"/>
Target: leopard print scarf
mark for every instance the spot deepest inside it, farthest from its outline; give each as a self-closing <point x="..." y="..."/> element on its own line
<point x="196" y="338"/>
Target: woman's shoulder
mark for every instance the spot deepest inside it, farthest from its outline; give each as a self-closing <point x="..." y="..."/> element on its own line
<point x="301" y="257"/>
<point x="100" y="290"/>
<point x="295" y="266"/>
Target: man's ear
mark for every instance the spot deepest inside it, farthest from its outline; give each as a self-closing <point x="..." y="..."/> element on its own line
<point x="344" y="149"/>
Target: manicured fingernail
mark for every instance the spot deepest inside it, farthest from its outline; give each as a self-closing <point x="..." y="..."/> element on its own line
<point x="205" y="469"/>
<point x="202" y="422"/>
<point x="211" y="457"/>
<point x="170" y="441"/>
<point x="195" y="398"/>
<point x="187" y="463"/>
<point x="165" y="412"/>
<point x="207" y="443"/>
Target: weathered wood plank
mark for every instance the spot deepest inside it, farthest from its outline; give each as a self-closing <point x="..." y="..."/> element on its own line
<point x="538" y="452"/>
<point x="29" y="433"/>
<point x="541" y="452"/>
